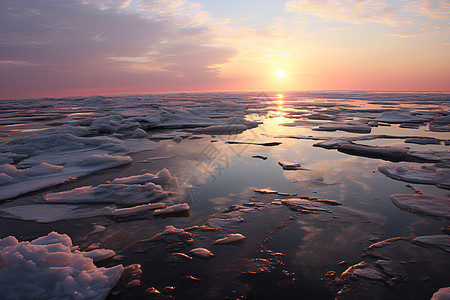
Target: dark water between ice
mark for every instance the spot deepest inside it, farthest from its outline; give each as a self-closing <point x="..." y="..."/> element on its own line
<point x="211" y="175"/>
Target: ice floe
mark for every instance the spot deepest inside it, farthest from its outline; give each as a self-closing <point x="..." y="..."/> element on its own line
<point x="349" y="127"/>
<point x="201" y="253"/>
<point x="21" y="181"/>
<point x="438" y="241"/>
<point x="290" y="166"/>
<point x="425" y="204"/>
<point x="177" y="208"/>
<point x="442" y="294"/>
<point x="162" y="177"/>
<point x="426" y="174"/>
<point x="123" y="194"/>
<point x="397" y="117"/>
<point x="441" y="124"/>
<point x="47" y="213"/>
<point x="303" y="205"/>
<point x="229" y="239"/>
<point x="47" y="268"/>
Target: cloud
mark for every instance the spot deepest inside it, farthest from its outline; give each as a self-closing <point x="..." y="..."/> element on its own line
<point x="354" y="11"/>
<point x="68" y="43"/>
<point x="361" y="11"/>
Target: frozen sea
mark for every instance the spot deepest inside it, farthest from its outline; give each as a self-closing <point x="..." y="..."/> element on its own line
<point x="252" y="195"/>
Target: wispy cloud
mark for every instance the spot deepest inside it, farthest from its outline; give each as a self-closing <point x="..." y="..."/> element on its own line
<point x="361" y="11"/>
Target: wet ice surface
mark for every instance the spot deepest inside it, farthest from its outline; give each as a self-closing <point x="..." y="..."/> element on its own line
<point x="169" y="184"/>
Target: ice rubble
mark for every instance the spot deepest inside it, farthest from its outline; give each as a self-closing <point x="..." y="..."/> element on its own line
<point x="427" y="204"/>
<point x="177" y="208"/>
<point x="426" y="174"/>
<point x="69" y="147"/>
<point x="47" y="268"/>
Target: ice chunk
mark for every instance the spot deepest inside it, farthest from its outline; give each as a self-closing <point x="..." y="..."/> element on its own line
<point x="99" y="254"/>
<point x="46" y="175"/>
<point x="302" y="204"/>
<point x="229" y="239"/>
<point x="183" y="207"/>
<point x="162" y="177"/>
<point x="201" y="253"/>
<point x="137" y="209"/>
<point x="290" y="166"/>
<point x="442" y="294"/>
<point x="423" y="141"/>
<point x="139" y="133"/>
<point x="349" y="127"/>
<point x="423" y="175"/>
<point x="47" y="213"/>
<point x="396" y="117"/>
<point x="123" y="194"/>
<point x="441" y="124"/>
<point x="221" y="129"/>
<point x="47" y="268"/>
<point x="437" y="241"/>
<point x="426" y="204"/>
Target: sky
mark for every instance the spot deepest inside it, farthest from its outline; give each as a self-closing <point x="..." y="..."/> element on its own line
<point x="87" y="47"/>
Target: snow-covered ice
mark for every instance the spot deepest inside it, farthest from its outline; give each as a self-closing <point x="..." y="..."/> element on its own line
<point x="47" y="268"/>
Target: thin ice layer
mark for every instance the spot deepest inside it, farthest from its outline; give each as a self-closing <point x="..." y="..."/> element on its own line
<point x="123" y="194"/>
<point x="47" y="268"/>
<point x="424" y="175"/>
<point x="426" y="204"/>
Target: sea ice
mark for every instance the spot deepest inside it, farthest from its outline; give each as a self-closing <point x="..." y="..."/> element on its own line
<point x="302" y="204"/>
<point x="396" y="117"/>
<point x="123" y="194"/>
<point x="441" y="124"/>
<point x="47" y="213"/>
<point x="201" y="253"/>
<point x="442" y="294"/>
<point x="183" y="207"/>
<point x="137" y="209"/>
<point x="437" y="241"/>
<point x="290" y="166"/>
<point x="349" y="127"/>
<point x="229" y="239"/>
<point x="162" y="177"/>
<point x="423" y="141"/>
<point x="424" y="175"/>
<point x="47" y="268"/>
<point x="426" y="204"/>
<point x="22" y="181"/>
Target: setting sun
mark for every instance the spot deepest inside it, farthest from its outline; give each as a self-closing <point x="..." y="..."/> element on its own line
<point x="281" y="73"/>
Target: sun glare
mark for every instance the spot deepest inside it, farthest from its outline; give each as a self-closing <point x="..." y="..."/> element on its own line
<point x="281" y="73"/>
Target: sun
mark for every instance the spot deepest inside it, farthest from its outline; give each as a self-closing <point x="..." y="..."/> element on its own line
<point x="281" y="73"/>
